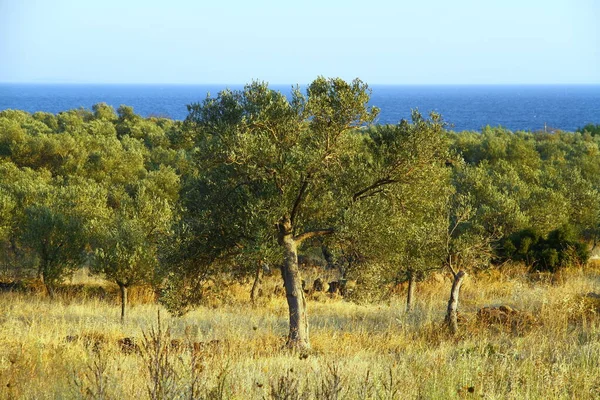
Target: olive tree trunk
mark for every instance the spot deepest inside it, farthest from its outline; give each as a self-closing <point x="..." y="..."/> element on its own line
<point x="410" y="296"/>
<point x="452" y="311"/>
<point x="256" y="284"/>
<point x="298" y="337"/>
<point x="44" y="275"/>
<point x="123" y="290"/>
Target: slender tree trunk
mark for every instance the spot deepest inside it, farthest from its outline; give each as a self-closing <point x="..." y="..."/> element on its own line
<point x="256" y="284"/>
<point x="123" y="290"/>
<point x="48" y="285"/>
<point x="298" y="337"/>
<point x="451" y="313"/>
<point x="49" y="289"/>
<point x="410" y="296"/>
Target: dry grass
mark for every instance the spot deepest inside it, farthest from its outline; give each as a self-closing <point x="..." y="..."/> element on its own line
<point x="73" y="348"/>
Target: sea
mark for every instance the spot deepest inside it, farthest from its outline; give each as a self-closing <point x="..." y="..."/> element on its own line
<point x="463" y="107"/>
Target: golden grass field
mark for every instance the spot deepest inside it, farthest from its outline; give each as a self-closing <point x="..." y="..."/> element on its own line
<point x="73" y="347"/>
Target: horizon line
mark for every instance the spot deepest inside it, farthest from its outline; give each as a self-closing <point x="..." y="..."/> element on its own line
<point x="292" y="84"/>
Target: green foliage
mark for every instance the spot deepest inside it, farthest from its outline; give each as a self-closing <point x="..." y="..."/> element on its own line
<point x="468" y="238"/>
<point x="533" y="179"/>
<point x="398" y="197"/>
<point x="56" y="237"/>
<point x="104" y="111"/>
<point x="7" y="210"/>
<point x="261" y="158"/>
<point x="398" y="223"/>
<point x="260" y="154"/>
<point x="559" y="249"/>
<point x="592" y="129"/>
<point x="69" y="182"/>
<point x="127" y="241"/>
<point x="570" y="250"/>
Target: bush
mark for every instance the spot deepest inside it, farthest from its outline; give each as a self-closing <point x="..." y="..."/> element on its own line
<point x="561" y="248"/>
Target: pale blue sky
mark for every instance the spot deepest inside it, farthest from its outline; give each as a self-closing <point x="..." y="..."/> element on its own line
<point x="226" y="41"/>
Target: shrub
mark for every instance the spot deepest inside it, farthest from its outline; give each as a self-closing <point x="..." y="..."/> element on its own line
<point x="559" y="249"/>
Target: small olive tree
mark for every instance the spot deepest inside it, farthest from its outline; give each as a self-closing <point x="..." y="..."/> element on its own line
<point x="55" y="225"/>
<point x="398" y="230"/>
<point x="127" y="243"/>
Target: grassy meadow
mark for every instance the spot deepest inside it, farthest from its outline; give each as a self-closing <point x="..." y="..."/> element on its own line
<point x="75" y="346"/>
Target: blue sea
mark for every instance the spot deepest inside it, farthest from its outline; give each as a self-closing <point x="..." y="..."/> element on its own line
<point x="464" y="107"/>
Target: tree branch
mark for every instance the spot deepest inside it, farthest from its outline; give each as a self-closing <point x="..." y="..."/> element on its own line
<point x="298" y="200"/>
<point x="364" y="192"/>
<point x="371" y="194"/>
<point x="311" y="234"/>
<point x="265" y="126"/>
<point x="454" y="273"/>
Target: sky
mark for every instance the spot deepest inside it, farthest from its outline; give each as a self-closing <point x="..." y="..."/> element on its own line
<point x="285" y="42"/>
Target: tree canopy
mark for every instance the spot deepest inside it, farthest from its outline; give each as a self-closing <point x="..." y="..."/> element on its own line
<point x="254" y="177"/>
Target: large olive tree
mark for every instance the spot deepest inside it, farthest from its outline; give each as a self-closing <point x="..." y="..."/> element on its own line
<point x="272" y="167"/>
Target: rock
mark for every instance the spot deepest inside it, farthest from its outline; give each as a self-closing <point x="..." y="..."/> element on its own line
<point x="318" y="285"/>
<point x="9" y="286"/>
<point x="334" y="287"/>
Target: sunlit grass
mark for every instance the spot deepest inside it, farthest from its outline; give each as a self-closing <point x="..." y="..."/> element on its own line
<point x="57" y="349"/>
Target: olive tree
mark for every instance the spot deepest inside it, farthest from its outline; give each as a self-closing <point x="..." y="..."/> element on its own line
<point x="54" y="226"/>
<point x="399" y="227"/>
<point x="286" y="168"/>
<point x="470" y="235"/>
<point x="138" y="219"/>
<point x="266" y="161"/>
